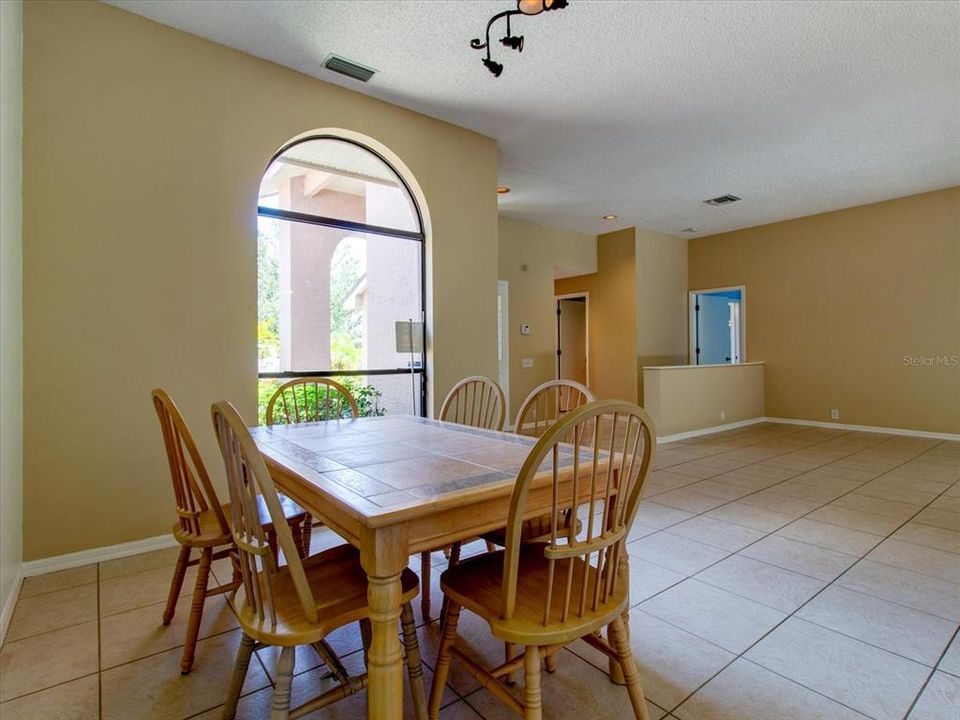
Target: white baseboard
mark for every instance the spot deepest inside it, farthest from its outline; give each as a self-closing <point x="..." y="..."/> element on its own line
<point x="101" y="554"/>
<point x="9" y="602"/>
<point x="664" y="439"/>
<point x="866" y="428"/>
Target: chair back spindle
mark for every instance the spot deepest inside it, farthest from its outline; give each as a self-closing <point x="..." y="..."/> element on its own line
<point x="548" y="403"/>
<point x="586" y="563"/>
<point x="311" y="399"/>
<point x="192" y="489"/>
<point x="247" y="477"/>
<point x="476" y="401"/>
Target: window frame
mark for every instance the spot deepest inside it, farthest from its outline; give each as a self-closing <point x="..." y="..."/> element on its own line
<point x="413" y="236"/>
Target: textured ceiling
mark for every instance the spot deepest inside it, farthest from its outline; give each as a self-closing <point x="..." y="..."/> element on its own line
<point x="645" y="109"/>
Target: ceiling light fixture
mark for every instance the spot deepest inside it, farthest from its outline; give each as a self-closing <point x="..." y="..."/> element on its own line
<point x="511" y="41"/>
<point x="690" y="230"/>
<point x="609" y="217"/>
<point x="503" y="190"/>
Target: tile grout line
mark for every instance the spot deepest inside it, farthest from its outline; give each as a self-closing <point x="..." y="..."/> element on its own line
<point x="956" y="634"/>
<point x="817" y="594"/>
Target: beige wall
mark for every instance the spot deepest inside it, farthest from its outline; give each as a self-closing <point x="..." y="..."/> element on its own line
<point x="661" y="301"/>
<point x="143" y="151"/>
<point x="544" y="251"/>
<point x="612" y="315"/>
<point x="681" y="399"/>
<point x="11" y="341"/>
<point x="840" y="306"/>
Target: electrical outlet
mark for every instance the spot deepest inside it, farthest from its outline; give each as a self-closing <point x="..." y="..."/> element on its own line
<point x="526" y="363"/>
<point x="723" y="415"/>
<point x="834" y="414"/>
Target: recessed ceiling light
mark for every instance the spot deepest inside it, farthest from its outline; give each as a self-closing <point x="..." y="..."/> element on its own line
<point x="609" y="217"/>
<point x="690" y="230"/>
<point x="722" y="200"/>
<point x="503" y="190"/>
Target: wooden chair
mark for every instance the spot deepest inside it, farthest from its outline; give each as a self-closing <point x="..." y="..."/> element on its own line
<point x="310" y="399"/>
<point x="543" y="407"/>
<point x="479" y="402"/>
<point x="202" y="522"/>
<point x="299" y="603"/>
<point x="476" y="401"/>
<point x="546" y="595"/>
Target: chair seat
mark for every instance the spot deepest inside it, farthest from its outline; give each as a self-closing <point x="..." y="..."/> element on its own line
<point x="339" y="587"/>
<point x="534" y="530"/>
<point x="212" y="535"/>
<point x="477" y="584"/>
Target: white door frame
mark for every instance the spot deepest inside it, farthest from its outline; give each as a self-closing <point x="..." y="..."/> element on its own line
<point x="692" y="320"/>
<point x="503" y="290"/>
<point x="556" y="331"/>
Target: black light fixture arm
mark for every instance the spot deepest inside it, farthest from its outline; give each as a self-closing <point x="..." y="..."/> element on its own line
<point x="509" y="40"/>
<point x="477" y="45"/>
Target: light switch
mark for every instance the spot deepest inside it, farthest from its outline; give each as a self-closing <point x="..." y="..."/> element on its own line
<point x="526" y="362"/>
<point x="524" y="328"/>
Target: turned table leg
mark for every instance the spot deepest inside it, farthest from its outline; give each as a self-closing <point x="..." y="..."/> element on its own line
<point x="384" y="556"/>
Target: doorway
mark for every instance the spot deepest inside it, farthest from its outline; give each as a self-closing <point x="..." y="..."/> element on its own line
<point x="717" y="326"/>
<point x="573" y="327"/>
<point x="503" y="338"/>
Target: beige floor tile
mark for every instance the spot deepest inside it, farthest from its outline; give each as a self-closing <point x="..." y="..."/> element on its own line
<point x="778" y="501"/>
<point x="717" y="533"/>
<point x="672" y="663"/>
<point x="899" y="629"/>
<point x="767" y="584"/>
<point x="647" y="579"/>
<point x="918" y="558"/>
<point x="577" y="690"/>
<point x="62" y="580"/>
<point x="831" y="537"/>
<point x="345" y="641"/>
<point x="474" y="638"/>
<point x="894" y="490"/>
<point x="137" y="633"/>
<point x="686" y="499"/>
<point x="867" y="679"/>
<point x="799" y="557"/>
<point x="676" y="553"/>
<point x="723" y="490"/>
<point x="878" y="506"/>
<point x="52" y="611"/>
<point x="929" y="536"/>
<point x="751" y="517"/>
<point x="921" y="592"/>
<point x="864" y="522"/>
<point x="745" y="691"/>
<point x="730" y="621"/>
<point x="130" y="591"/>
<point x="940" y="699"/>
<point x="165" y="558"/>
<point x="745" y="481"/>
<point x="951" y="659"/>
<point x="658" y="516"/>
<point x="947" y="502"/>
<point x="75" y="700"/>
<point x="939" y="518"/>
<point x="154" y="688"/>
<point x="42" y="661"/>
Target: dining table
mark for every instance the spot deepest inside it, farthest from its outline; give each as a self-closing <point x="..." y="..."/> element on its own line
<point x="396" y="485"/>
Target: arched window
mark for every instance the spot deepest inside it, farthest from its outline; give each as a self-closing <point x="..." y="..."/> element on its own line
<point x="340" y="263"/>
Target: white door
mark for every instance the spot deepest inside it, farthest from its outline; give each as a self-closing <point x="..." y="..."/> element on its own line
<point x="503" y="337"/>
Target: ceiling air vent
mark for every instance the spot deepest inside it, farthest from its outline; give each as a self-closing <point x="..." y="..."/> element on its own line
<point x="348" y="67"/>
<point x="722" y="200"/>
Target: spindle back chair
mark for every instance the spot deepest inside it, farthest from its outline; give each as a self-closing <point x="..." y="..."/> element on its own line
<point x="310" y="399"/>
<point x="476" y="401"/>
<point x="301" y="602"/>
<point x="545" y="595"/>
<point x="549" y="402"/>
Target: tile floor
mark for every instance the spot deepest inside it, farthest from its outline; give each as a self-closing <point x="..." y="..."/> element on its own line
<point x="778" y="572"/>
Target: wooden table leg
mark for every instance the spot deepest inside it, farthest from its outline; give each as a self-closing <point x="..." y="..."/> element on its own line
<point x="384" y="556"/>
